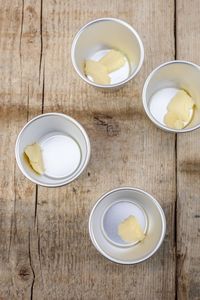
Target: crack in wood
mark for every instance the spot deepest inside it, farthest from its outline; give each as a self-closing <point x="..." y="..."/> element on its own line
<point x="20" y="42"/>
<point x="10" y="238"/>
<point x="28" y="104"/>
<point x="175" y="32"/>
<point x="39" y="256"/>
<point x="43" y="88"/>
<point x="30" y="260"/>
<point x="36" y="202"/>
<point x="21" y="31"/>
<point x="176" y="175"/>
<point x="13" y="226"/>
<point x="41" y="38"/>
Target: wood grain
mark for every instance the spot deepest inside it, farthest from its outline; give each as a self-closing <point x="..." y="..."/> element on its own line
<point x="45" y="249"/>
<point x="20" y="100"/>
<point x="188" y="165"/>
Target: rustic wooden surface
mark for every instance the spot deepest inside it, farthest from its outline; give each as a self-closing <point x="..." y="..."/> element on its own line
<point x="45" y="251"/>
<point x="188" y="166"/>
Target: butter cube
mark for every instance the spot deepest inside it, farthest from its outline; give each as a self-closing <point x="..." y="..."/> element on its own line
<point x="97" y="71"/>
<point x="34" y="155"/>
<point x="113" y="60"/>
<point x="180" y="111"/>
<point x="130" y="230"/>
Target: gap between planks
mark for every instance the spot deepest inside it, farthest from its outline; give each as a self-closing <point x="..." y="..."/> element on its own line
<point x="176" y="175"/>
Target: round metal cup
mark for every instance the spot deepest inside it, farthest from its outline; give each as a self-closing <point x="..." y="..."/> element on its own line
<point x="115" y="206"/>
<point x="107" y="33"/>
<point x="43" y="127"/>
<point x="176" y="74"/>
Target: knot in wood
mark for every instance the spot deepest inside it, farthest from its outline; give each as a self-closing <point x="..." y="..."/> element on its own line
<point x="25" y="273"/>
<point x="107" y="123"/>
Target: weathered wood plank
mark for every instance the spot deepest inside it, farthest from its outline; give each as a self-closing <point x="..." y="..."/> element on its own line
<point x="21" y="99"/>
<point x="135" y="153"/>
<point x="188" y="145"/>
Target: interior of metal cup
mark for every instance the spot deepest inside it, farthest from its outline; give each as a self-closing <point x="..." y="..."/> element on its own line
<point x="41" y="128"/>
<point x="180" y="75"/>
<point x="107" y="34"/>
<point x="115" y="214"/>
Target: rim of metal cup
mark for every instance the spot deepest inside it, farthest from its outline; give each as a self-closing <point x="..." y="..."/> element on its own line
<point x="107" y="86"/>
<point x="86" y="140"/>
<point x="163" y="219"/>
<point x="146" y="108"/>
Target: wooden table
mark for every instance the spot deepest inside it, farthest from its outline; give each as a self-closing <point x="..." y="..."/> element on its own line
<point x="45" y="250"/>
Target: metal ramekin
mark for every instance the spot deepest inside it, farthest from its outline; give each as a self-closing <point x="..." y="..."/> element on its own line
<point x="41" y="126"/>
<point x="132" y="253"/>
<point x="110" y="33"/>
<point x="178" y="74"/>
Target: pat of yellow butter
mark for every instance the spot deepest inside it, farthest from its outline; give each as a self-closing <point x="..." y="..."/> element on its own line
<point x="113" y="60"/>
<point x="34" y="154"/>
<point x="130" y="230"/>
<point x="97" y="71"/>
<point x="179" y="111"/>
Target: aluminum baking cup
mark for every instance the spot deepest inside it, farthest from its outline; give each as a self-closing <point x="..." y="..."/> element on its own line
<point x="114" y="207"/>
<point x="101" y="35"/>
<point x="163" y="83"/>
<point x="65" y="149"/>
